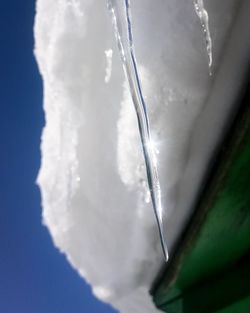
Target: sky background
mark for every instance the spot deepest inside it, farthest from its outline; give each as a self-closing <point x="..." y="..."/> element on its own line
<point x="34" y="276"/>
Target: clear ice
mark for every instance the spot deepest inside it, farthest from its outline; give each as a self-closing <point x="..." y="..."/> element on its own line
<point x="204" y="19"/>
<point x="121" y="18"/>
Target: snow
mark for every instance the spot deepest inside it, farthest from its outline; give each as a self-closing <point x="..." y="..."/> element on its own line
<point x="92" y="176"/>
<point x="109" y="54"/>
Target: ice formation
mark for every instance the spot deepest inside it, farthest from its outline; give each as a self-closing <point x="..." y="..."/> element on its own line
<point x="204" y="19"/>
<point x="126" y="47"/>
<point x="109" y="54"/>
<point x="92" y="176"/>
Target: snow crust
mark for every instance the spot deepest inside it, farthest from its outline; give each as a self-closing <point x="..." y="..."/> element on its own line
<point x="92" y="177"/>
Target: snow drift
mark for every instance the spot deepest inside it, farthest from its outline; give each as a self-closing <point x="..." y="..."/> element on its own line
<point x="92" y="178"/>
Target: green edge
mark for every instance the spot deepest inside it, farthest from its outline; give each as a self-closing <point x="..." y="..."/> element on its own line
<point x="211" y="270"/>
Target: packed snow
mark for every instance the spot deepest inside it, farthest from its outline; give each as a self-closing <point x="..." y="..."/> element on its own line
<point x="92" y="178"/>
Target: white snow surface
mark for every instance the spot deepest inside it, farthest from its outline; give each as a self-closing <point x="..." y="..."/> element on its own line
<point x="92" y="176"/>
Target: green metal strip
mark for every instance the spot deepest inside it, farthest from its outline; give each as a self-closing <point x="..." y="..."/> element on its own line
<point x="241" y="306"/>
<point x="205" y="272"/>
<point x="215" y="293"/>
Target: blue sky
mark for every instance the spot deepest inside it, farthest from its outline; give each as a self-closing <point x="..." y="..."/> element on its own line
<point x="34" y="276"/>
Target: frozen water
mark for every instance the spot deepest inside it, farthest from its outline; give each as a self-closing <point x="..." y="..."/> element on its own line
<point x="92" y="176"/>
<point x="109" y="54"/>
<point x="126" y="48"/>
<point x="204" y="19"/>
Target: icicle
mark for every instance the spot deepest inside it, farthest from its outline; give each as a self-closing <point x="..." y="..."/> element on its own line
<point x="124" y="37"/>
<point x="204" y="19"/>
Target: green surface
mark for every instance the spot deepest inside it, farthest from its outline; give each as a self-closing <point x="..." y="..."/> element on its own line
<point x="211" y="271"/>
<point x="238" y="307"/>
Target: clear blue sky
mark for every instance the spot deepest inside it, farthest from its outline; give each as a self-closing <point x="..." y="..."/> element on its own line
<point x="34" y="276"/>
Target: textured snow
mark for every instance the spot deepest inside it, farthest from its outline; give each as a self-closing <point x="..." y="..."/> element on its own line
<point x="109" y="54"/>
<point x="92" y="178"/>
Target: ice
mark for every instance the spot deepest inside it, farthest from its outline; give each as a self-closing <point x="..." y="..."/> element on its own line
<point x="92" y="176"/>
<point x="126" y="48"/>
<point x="109" y="54"/>
<point x="204" y="19"/>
